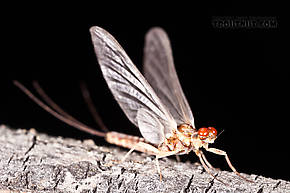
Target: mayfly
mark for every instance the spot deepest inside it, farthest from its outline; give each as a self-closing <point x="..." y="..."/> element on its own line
<point x="157" y="107"/>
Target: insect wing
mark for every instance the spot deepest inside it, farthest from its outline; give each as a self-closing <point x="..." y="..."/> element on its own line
<point x="160" y="72"/>
<point x="150" y="126"/>
<point x="129" y="87"/>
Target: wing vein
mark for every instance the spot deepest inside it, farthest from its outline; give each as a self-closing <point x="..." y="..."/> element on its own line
<point x="131" y="90"/>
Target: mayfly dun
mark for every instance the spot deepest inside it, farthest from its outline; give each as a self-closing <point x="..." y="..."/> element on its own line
<point x="156" y="105"/>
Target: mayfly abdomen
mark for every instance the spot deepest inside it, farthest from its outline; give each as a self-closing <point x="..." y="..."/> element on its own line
<point x="129" y="141"/>
<point x="123" y="140"/>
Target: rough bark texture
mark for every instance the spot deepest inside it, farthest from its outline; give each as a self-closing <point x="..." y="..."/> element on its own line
<point x="34" y="162"/>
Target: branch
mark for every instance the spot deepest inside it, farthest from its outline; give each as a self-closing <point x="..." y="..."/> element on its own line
<point x="32" y="161"/>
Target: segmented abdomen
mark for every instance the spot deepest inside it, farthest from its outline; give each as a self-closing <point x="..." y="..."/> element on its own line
<point x="129" y="141"/>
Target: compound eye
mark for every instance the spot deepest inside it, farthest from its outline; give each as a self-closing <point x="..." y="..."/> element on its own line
<point x="212" y="131"/>
<point x="203" y="133"/>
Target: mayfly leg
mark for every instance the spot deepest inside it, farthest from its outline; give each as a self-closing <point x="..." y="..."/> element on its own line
<point x="128" y="153"/>
<point x="206" y="161"/>
<point x="206" y="167"/>
<point x="158" y="168"/>
<point x="161" y="155"/>
<point x="177" y="158"/>
<point x="221" y="152"/>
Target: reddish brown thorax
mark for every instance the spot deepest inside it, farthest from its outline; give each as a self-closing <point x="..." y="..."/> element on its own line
<point x="185" y="134"/>
<point x="209" y="132"/>
<point x="186" y="129"/>
<point x="180" y="140"/>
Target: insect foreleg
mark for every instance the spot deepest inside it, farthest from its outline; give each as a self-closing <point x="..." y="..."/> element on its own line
<point x="205" y="160"/>
<point x="197" y="152"/>
<point x="221" y="152"/>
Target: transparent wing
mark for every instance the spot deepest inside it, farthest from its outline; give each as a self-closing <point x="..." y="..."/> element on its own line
<point x="128" y="86"/>
<point x="160" y="72"/>
<point x="150" y="126"/>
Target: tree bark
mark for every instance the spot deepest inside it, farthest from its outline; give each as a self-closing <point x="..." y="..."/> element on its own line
<point x="32" y="161"/>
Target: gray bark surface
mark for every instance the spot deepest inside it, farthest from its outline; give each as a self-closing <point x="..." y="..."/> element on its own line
<point x="35" y="162"/>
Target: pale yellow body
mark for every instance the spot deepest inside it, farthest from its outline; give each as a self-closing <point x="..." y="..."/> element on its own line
<point x="182" y="141"/>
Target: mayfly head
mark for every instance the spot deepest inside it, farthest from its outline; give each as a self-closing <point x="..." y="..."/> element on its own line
<point x="207" y="135"/>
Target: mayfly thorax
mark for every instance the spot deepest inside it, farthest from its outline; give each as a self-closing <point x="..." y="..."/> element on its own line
<point x="158" y="107"/>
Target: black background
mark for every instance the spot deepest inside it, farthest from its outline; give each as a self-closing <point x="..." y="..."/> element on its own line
<point x="235" y="79"/>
